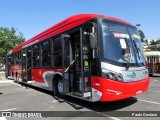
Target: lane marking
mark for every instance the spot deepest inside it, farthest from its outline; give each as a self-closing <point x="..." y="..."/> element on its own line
<point x="149" y="101"/>
<point x="154" y="81"/>
<point x="155" y="84"/>
<point x="3" y="118"/>
<point x="6" y="81"/>
<point x="16" y="84"/>
<point x="153" y="91"/>
<point x="8" y="109"/>
<point x="54" y="101"/>
<point x="32" y="94"/>
<point x="114" y="118"/>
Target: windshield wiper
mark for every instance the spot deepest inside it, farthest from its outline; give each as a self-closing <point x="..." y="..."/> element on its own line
<point x="128" y="52"/>
<point x="127" y="66"/>
<point x="138" y="51"/>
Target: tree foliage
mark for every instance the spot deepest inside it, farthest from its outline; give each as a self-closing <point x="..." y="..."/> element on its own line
<point x="142" y="35"/>
<point x="158" y="41"/>
<point x="154" y="48"/>
<point x="153" y="42"/>
<point x="154" y="45"/>
<point x="9" y="38"/>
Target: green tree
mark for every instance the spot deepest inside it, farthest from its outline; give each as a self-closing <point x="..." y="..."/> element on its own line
<point x="142" y="35"/>
<point x="153" y="48"/>
<point x="158" y="41"/>
<point x="9" y="38"/>
<point x="146" y="41"/>
<point x="153" y="42"/>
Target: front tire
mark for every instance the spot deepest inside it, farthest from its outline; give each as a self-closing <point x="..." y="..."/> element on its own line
<point x="59" y="88"/>
<point x="151" y="75"/>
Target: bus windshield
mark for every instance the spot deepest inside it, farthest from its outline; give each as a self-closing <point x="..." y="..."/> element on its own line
<point x="121" y="44"/>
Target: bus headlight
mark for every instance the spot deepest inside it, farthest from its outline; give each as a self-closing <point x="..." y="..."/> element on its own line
<point x="112" y="75"/>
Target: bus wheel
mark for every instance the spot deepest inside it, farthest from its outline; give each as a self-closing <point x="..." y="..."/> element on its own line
<point x="150" y="75"/>
<point x="16" y="76"/>
<point x="6" y="76"/>
<point x="12" y="75"/>
<point x="59" y="88"/>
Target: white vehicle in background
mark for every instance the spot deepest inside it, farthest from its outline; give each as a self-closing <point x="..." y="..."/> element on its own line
<point x="153" y="60"/>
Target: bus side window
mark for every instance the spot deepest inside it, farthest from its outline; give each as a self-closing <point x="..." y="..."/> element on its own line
<point x="151" y="59"/>
<point x="154" y="59"/>
<point x="12" y="59"/>
<point x="35" y="56"/>
<point x="45" y="54"/>
<point x="17" y="58"/>
<point x="147" y="59"/>
<point x="20" y="54"/>
<point x="57" y="53"/>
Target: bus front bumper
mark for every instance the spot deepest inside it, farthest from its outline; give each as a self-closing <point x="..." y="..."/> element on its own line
<point x="113" y="90"/>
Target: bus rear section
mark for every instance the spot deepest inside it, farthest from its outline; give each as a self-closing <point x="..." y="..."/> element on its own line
<point x="153" y="61"/>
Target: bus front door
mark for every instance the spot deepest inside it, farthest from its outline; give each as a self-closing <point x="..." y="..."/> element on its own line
<point x="76" y="65"/>
<point x="82" y="74"/>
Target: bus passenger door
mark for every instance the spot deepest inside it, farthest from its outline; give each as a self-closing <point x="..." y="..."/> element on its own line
<point x="7" y="65"/>
<point x="29" y="63"/>
<point x="24" y="65"/>
<point x="66" y="62"/>
<point x="81" y="69"/>
<point x="85" y="63"/>
<point x="76" y="65"/>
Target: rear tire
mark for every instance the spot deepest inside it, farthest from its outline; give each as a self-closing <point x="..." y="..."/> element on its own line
<point x="17" y="77"/>
<point x="12" y="76"/>
<point x="150" y="75"/>
<point x="6" y="75"/>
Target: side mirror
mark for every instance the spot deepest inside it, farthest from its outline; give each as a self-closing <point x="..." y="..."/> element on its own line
<point x="93" y="41"/>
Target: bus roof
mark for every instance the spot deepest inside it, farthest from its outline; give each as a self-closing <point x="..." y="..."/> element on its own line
<point x="63" y="26"/>
<point x="152" y="53"/>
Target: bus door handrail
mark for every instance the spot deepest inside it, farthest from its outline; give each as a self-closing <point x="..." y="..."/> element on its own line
<point x="66" y="70"/>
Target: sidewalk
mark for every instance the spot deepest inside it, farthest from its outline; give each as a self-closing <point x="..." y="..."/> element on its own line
<point x="6" y="81"/>
<point x="2" y="76"/>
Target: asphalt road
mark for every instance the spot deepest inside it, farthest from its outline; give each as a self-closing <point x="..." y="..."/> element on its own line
<point x="14" y="97"/>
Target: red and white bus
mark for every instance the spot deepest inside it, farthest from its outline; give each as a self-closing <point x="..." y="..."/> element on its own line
<point x="153" y="60"/>
<point x="88" y="56"/>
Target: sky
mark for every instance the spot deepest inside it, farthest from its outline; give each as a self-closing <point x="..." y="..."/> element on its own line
<point x="34" y="16"/>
